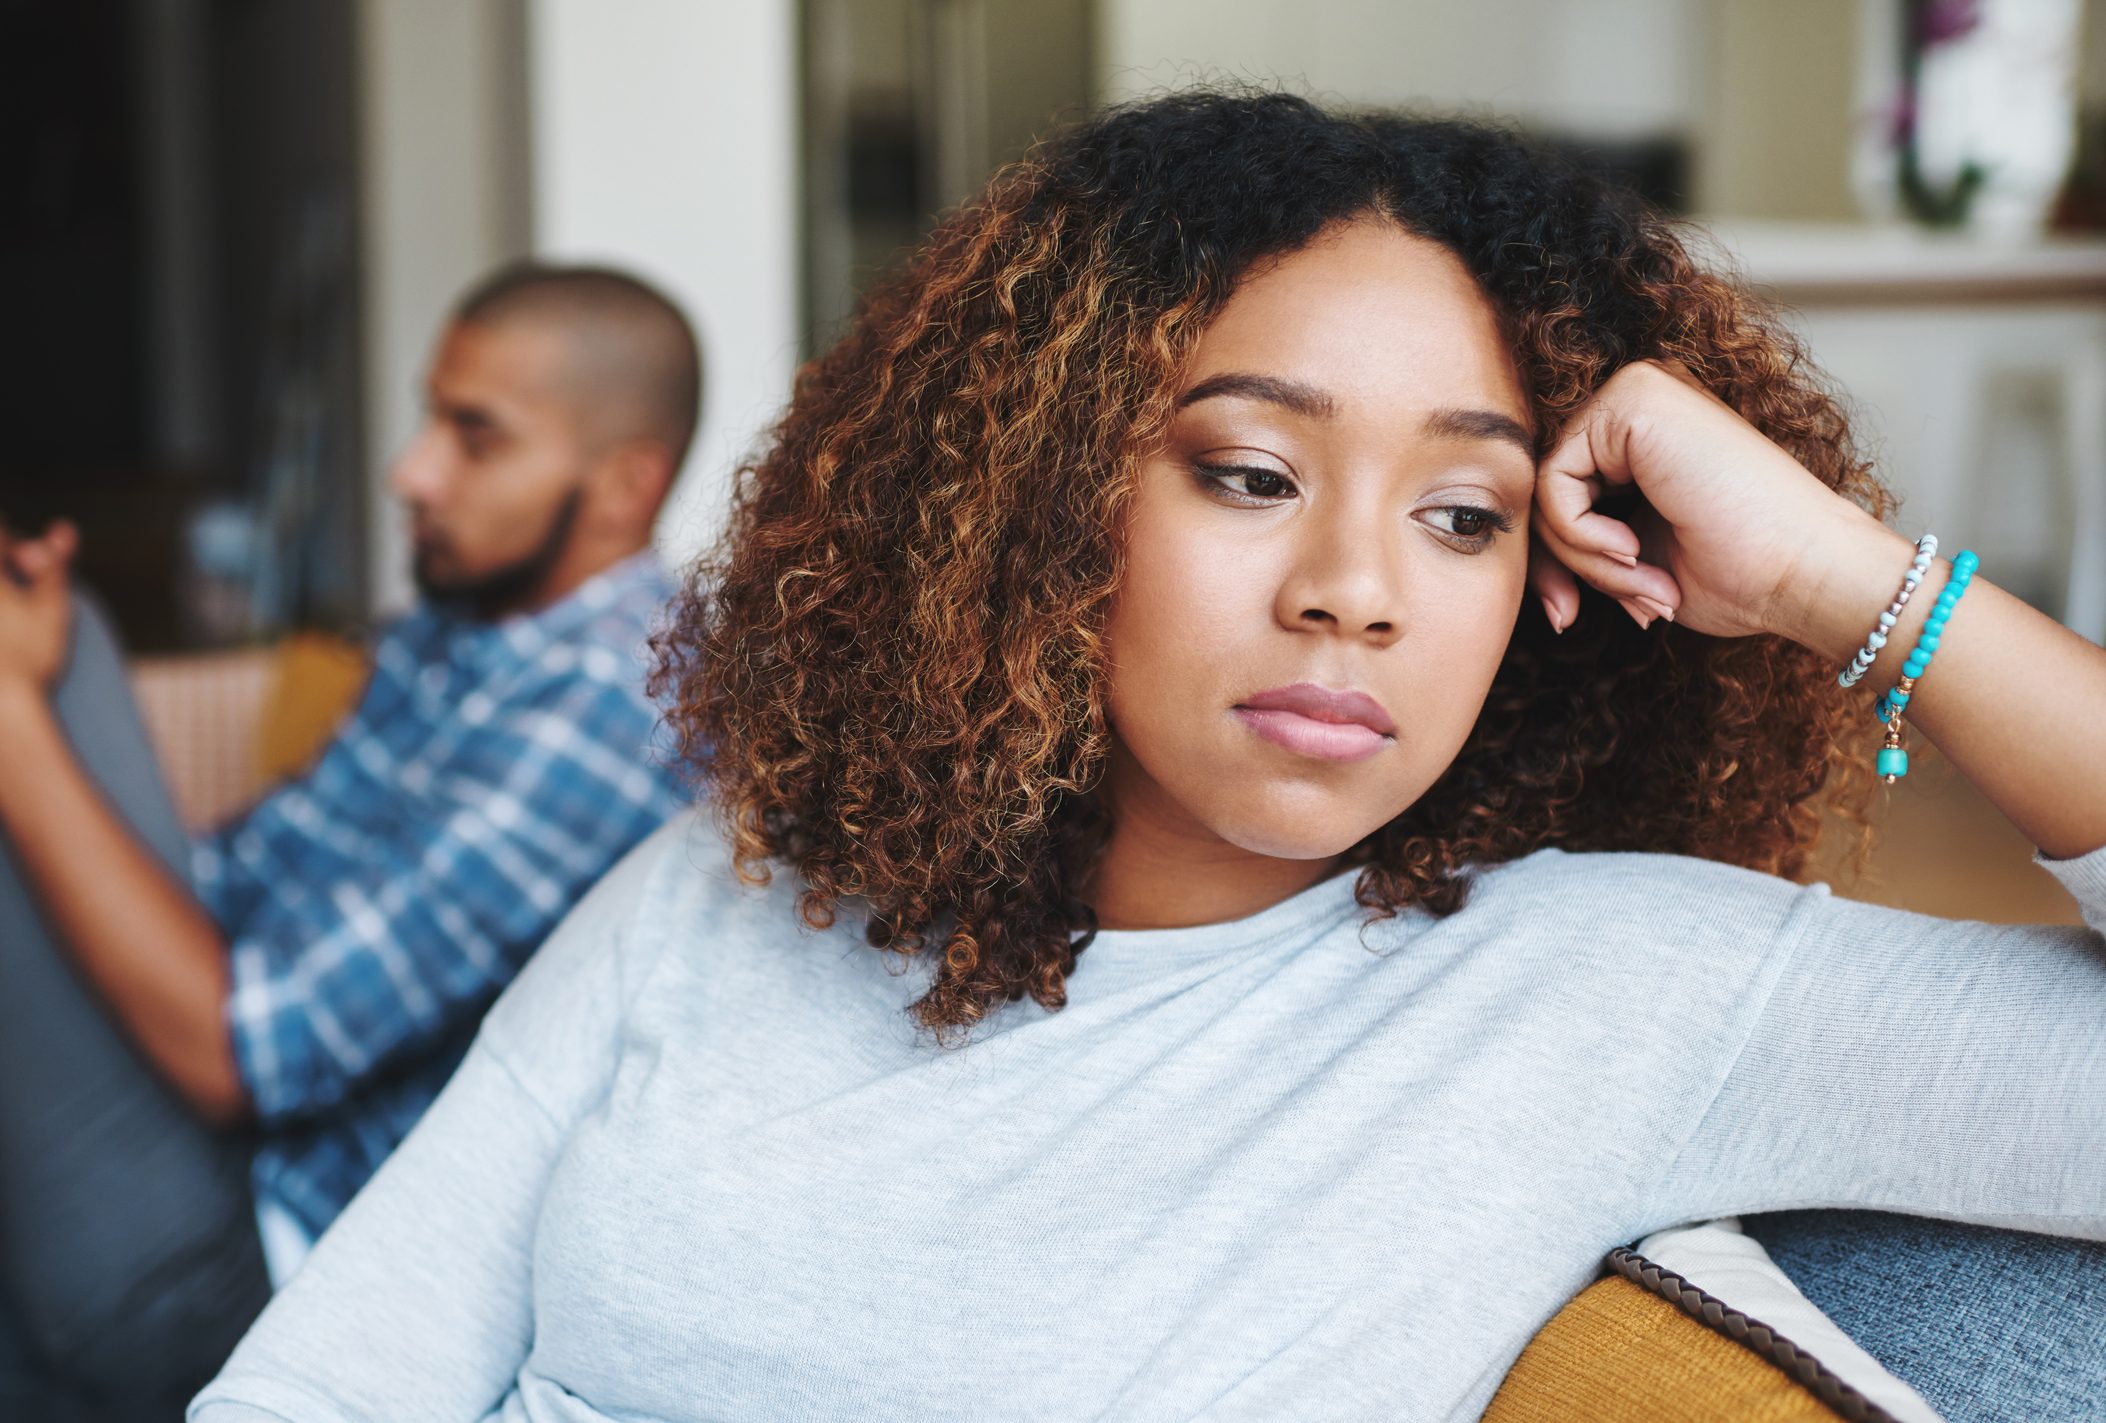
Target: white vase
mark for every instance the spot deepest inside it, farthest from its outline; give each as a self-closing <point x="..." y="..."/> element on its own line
<point x="2001" y="97"/>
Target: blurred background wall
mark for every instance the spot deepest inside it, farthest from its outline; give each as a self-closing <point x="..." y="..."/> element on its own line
<point x="235" y="226"/>
<point x="238" y="224"/>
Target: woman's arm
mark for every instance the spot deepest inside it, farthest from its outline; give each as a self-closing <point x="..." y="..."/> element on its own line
<point x="1747" y="541"/>
<point x="1897" y="1061"/>
<point x="2013" y="698"/>
<point x="417" y="1304"/>
<point x="1906" y="1063"/>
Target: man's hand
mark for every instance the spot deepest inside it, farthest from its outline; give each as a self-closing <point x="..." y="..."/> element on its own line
<point x="34" y="606"/>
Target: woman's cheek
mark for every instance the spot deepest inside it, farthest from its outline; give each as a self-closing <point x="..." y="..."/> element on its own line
<point x="1190" y="582"/>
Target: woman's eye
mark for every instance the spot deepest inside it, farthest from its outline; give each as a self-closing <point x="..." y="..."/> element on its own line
<point x="1467" y="524"/>
<point x="1247" y="484"/>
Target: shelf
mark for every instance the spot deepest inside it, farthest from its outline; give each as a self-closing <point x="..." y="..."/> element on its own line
<point x="1807" y="263"/>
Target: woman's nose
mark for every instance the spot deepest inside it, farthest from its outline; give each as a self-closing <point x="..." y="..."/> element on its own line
<point x="1347" y="577"/>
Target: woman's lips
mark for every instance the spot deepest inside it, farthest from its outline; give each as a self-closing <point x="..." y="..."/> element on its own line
<point x="1330" y="740"/>
<point x="1318" y="721"/>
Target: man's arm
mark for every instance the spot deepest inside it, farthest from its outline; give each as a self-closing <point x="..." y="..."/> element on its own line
<point x="136" y="931"/>
<point x="528" y="809"/>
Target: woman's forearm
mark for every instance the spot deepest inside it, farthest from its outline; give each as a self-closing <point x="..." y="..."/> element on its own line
<point x="2011" y="697"/>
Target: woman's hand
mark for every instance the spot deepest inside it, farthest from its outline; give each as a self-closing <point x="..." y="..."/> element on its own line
<point x="1738" y="538"/>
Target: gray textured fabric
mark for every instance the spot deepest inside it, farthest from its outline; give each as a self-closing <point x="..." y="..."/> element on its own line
<point x="698" y="1164"/>
<point x="1991" y="1326"/>
<point x="128" y="1251"/>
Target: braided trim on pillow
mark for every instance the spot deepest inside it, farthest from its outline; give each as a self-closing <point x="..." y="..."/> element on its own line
<point x="1753" y="1334"/>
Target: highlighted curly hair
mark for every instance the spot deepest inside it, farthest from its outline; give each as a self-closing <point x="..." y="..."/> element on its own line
<point x="892" y="672"/>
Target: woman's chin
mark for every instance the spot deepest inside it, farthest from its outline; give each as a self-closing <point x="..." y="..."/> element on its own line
<point x="1297" y="837"/>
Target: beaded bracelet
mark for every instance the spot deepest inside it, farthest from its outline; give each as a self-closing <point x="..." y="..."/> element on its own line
<point x="1893" y="704"/>
<point x="1926" y="550"/>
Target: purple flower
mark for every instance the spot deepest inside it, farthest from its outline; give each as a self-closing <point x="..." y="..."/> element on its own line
<point x="1943" y="21"/>
<point x="1900" y="119"/>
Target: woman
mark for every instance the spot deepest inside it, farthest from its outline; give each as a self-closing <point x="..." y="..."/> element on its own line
<point x="1309" y="931"/>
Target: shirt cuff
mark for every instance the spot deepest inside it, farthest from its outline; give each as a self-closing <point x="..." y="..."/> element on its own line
<point x="2084" y="876"/>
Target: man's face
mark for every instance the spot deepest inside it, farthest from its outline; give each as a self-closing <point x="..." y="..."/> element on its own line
<point x="492" y="480"/>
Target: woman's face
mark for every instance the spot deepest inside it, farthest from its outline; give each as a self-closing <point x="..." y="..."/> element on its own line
<point x="1325" y="557"/>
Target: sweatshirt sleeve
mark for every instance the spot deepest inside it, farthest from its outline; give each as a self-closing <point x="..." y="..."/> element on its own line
<point x="416" y="1304"/>
<point x="1928" y="1066"/>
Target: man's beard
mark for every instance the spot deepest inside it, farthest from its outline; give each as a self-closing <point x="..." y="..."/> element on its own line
<point x="506" y="589"/>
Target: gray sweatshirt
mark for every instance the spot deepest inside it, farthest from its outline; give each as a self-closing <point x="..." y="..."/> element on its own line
<point x="698" y="1165"/>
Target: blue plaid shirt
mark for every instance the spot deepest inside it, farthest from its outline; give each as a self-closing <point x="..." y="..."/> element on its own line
<point x="375" y="906"/>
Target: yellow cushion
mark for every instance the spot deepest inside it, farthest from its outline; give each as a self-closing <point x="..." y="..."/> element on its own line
<point x="1619" y="1352"/>
<point x="225" y="725"/>
<point x="202" y="713"/>
<point x="317" y="679"/>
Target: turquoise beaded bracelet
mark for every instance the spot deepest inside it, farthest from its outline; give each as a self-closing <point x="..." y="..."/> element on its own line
<point x="1893" y="704"/>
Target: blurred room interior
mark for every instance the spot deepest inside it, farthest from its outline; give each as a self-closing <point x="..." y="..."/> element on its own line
<point x="237" y="223"/>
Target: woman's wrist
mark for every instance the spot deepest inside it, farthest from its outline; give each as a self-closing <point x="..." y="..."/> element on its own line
<point x="1839" y="587"/>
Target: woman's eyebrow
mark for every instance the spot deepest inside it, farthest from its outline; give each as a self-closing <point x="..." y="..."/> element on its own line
<point x="1480" y="425"/>
<point x="1304" y="399"/>
<point x="1301" y="399"/>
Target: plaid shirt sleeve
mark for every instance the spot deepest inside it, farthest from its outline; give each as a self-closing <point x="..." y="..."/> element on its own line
<point x="334" y="986"/>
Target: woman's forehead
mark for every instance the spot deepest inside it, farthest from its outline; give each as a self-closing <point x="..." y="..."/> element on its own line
<point x="1371" y="317"/>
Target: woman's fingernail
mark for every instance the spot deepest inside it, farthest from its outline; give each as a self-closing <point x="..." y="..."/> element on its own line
<point x="1657" y="608"/>
<point x="1637" y="616"/>
<point x="1627" y="560"/>
<point x="1550" y="611"/>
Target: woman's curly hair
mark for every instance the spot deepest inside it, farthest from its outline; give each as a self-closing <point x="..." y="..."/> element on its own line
<point x="891" y="675"/>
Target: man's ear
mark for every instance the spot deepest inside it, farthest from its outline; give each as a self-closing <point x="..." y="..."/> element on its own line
<point x="633" y="478"/>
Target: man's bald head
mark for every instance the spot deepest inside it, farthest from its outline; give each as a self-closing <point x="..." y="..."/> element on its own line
<point x="632" y="367"/>
<point x="559" y="404"/>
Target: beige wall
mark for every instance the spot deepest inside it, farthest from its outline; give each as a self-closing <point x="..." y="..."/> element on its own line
<point x="1616" y="68"/>
<point x="1774" y="133"/>
<point x="1040" y="70"/>
<point x="1765" y="89"/>
<point x="664" y="141"/>
<point x="442" y="199"/>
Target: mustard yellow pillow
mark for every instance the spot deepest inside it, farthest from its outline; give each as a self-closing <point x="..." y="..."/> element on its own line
<point x="1645" y="1344"/>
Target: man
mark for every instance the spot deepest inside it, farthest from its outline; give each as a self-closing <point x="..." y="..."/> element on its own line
<point x="276" y="1019"/>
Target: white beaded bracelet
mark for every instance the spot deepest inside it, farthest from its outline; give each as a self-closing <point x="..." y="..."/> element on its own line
<point x="1926" y="550"/>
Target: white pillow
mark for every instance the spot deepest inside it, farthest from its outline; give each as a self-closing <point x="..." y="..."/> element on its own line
<point x="1720" y="1260"/>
